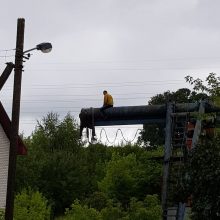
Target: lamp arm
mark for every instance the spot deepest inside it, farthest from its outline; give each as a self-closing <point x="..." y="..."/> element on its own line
<point x="26" y="51"/>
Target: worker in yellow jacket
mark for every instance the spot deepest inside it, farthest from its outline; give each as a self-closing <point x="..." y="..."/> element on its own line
<point x="108" y="101"/>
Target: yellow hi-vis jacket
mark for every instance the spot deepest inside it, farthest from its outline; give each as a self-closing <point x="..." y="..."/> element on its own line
<point x="108" y="100"/>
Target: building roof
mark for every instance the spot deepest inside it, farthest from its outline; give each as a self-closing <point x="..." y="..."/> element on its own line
<point x="6" y="125"/>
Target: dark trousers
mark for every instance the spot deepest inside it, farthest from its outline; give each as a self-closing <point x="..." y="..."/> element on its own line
<point x="103" y="108"/>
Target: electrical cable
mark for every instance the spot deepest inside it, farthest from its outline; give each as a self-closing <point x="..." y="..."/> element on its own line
<point x="124" y="69"/>
<point x="3" y="50"/>
<point x="131" y="61"/>
<point x="72" y="100"/>
<point x="95" y="86"/>
<point x="114" y="83"/>
<point x="6" y="56"/>
<point x="113" y="142"/>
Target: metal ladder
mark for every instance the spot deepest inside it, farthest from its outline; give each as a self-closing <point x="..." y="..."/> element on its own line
<point x="175" y="210"/>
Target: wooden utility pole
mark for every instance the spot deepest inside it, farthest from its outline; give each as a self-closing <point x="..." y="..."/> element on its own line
<point x="15" y="119"/>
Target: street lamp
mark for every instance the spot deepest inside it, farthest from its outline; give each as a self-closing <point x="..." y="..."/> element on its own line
<point x="18" y="68"/>
<point x="43" y="47"/>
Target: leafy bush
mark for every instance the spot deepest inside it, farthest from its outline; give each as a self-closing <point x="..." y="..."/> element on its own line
<point x="97" y="200"/>
<point x="30" y="205"/>
<point x="81" y="212"/>
<point x="2" y="214"/>
<point x="127" y="177"/>
<point x="149" y="209"/>
<point x="203" y="179"/>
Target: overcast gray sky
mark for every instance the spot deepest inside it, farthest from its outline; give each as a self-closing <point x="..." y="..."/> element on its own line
<point x="133" y="48"/>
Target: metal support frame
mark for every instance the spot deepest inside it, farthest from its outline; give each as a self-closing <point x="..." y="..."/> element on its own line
<point x="196" y="134"/>
<point x="198" y="126"/>
<point x="181" y="211"/>
<point x="167" y="155"/>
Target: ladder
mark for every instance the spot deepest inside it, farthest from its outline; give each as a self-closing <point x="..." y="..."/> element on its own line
<point x="178" y="142"/>
<point x="179" y="151"/>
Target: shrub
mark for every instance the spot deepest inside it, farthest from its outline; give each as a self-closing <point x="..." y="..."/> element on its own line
<point x="2" y="214"/>
<point x="81" y="212"/>
<point x="30" y="205"/>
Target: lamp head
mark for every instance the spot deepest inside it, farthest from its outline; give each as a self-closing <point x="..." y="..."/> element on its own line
<point x="44" y="47"/>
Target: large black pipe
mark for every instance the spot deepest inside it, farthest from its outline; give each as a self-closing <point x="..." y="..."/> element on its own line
<point x="90" y="117"/>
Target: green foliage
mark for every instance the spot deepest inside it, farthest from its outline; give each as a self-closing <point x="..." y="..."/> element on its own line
<point x="95" y="157"/>
<point x="54" y="162"/>
<point x="211" y="86"/>
<point x="149" y="209"/>
<point x="127" y="177"/>
<point x="112" y="212"/>
<point x="152" y="135"/>
<point x="63" y="170"/>
<point x="2" y="214"/>
<point x="30" y="205"/>
<point x="119" y="180"/>
<point x="53" y="134"/>
<point x="81" y="212"/>
<point x="203" y="179"/>
<point x="183" y="95"/>
<point x="97" y="200"/>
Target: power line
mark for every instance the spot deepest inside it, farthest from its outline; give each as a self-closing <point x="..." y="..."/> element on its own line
<point x="95" y="86"/>
<point x="73" y="100"/>
<point x="4" y="50"/>
<point x="110" y="83"/>
<point x="80" y="95"/>
<point x="6" y="56"/>
<point x="123" y="69"/>
<point x="130" y="61"/>
<point x="45" y="112"/>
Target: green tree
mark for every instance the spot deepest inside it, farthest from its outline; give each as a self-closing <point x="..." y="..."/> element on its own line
<point x="203" y="179"/>
<point x="30" y="205"/>
<point x="149" y="209"/>
<point x="55" y="162"/>
<point x="120" y="180"/>
<point x="2" y="214"/>
<point x="63" y="170"/>
<point x="97" y="200"/>
<point x="53" y="134"/>
<point x="112" y="211"/>
<point x="95" y="157"/>
<point x="211" y="85"/>
<point x="81" y="212"/>
<point x="128" y="177"/>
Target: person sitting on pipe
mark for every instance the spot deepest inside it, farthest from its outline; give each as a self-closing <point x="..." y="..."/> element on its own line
<point x="108" y="102"/>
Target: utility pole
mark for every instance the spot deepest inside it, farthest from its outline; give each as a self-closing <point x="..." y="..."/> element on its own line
<point x="15" y="119"/>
